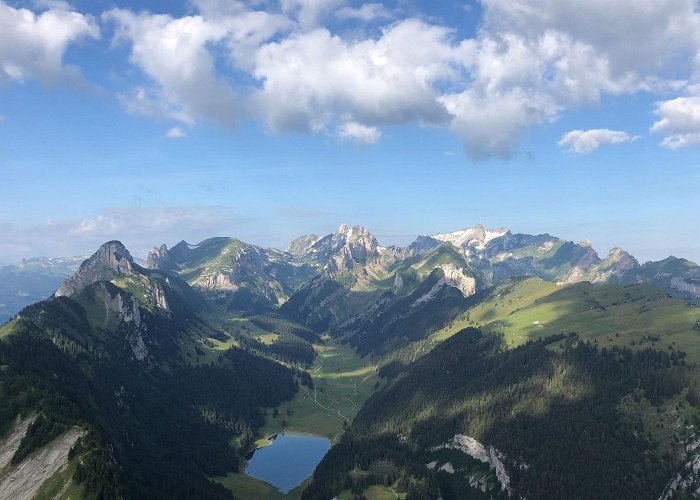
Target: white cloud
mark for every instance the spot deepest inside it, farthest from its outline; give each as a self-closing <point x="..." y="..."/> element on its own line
<point x="639" y="37"/>
<point x="178" y="56"/>
<point x="289" y="64"/>
<point x="311" y="80"/>
<point x="32" y="45"/>
<point x="175" y="133"/>
<point x="586" y="141"/>
<point x="359" y="133"/>
<point x="679" y="120"/>
<point x="366" y="12"/>
<point x="173" y="52"/>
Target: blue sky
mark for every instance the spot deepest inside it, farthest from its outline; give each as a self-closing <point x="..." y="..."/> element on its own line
<point x="266" y="120"/>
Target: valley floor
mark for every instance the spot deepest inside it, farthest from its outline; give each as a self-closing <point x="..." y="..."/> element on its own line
<point x="343" y="382"/>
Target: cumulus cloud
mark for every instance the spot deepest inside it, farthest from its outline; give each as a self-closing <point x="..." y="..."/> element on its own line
<point x="32" y="45"/>
<point x="679" y="120"/>
<point x="359" y="133"/>
<point x="612" y="29"/>
<point x="177" y="55"/>
<point x="310" y="80"/>
<point x="295" y="65"/>
<point x="138" y="228"/>
<point x="586" y="141"/>
<point x="175" y="133"/>
<point x="174" y="54"/>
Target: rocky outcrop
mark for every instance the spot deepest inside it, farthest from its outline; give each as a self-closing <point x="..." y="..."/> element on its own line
<point x="113" y="263"/>
<point x="687" y="480"/>
<point x="10" y="443"/>
<point x="126" y="308"/>
<point x="478" y="451"/>
<point x="455" y="277"/>
<point x="159" y="258"/>
<point x="353" y="245"/>
<point x="423" y="244"/>
<point x="26" y="479"/>
<point x="110" y="261"/>
<point x="452" y="276"/>
<point x="613" y="268"/>
<point x="303" y="245"/>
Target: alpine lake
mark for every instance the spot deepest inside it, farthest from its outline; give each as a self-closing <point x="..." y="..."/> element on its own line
<point x="288" y="460"/>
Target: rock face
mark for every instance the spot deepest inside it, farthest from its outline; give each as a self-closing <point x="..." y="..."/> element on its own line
<point x="613" y="268"/>
<point x="26" y="479"/>
<point x="126" y="309"/>
<point x="113" y="263"/>
<point x="687" y="480"/>
<point x="303" y="245"/>
<point x="455" y="277"/>
<point x="111" y="260"/>
<point x="422" y="245"/>
<point x="351" y="245"/>
<point x="490" y="456"/>
<point x="159" y="258"/>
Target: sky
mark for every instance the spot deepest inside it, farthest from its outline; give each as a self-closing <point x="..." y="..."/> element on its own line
<point x="153" y="122"/>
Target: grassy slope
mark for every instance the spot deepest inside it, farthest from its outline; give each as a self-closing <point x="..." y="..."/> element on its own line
<point x="6" y="329"/>
<point x="249" y="488"/>
<point x="214" y="255"/>
<point x="373" y="493"/>
<point x="343" y="381"/>
<point x="509" y="297"/>
<point x="606" y="314"/>
<point x="61" y="486"/>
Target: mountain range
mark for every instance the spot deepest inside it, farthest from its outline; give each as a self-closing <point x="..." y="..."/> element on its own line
<point x="485" y="364"/>
<point x="32" y="280"/>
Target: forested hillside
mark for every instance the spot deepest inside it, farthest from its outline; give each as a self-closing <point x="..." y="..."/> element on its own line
<point x="568" y="420"/>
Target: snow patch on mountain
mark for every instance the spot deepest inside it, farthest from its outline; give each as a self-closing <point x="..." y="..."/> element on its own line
<point x="477" y="237"/>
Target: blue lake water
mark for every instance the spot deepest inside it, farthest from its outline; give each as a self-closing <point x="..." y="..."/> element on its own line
<point x="288" y="460"/>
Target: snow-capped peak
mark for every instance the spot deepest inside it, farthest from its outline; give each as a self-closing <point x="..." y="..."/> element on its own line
<point x="477" y="236"/>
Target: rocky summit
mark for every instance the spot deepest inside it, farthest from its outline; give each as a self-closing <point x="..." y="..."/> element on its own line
<point x="111" y="260"/>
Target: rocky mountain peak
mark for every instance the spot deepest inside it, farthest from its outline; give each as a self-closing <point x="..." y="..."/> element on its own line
<point x="301" y="246"/>
<point x="352" y="233"/>
<point x="352" y="245"/>
<point x="617" y="254"/>
<point x="159" y="258"/>
<point x="423" y="244"/>
<point x="477" y="236"/>
<point x="111" y="259"/>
